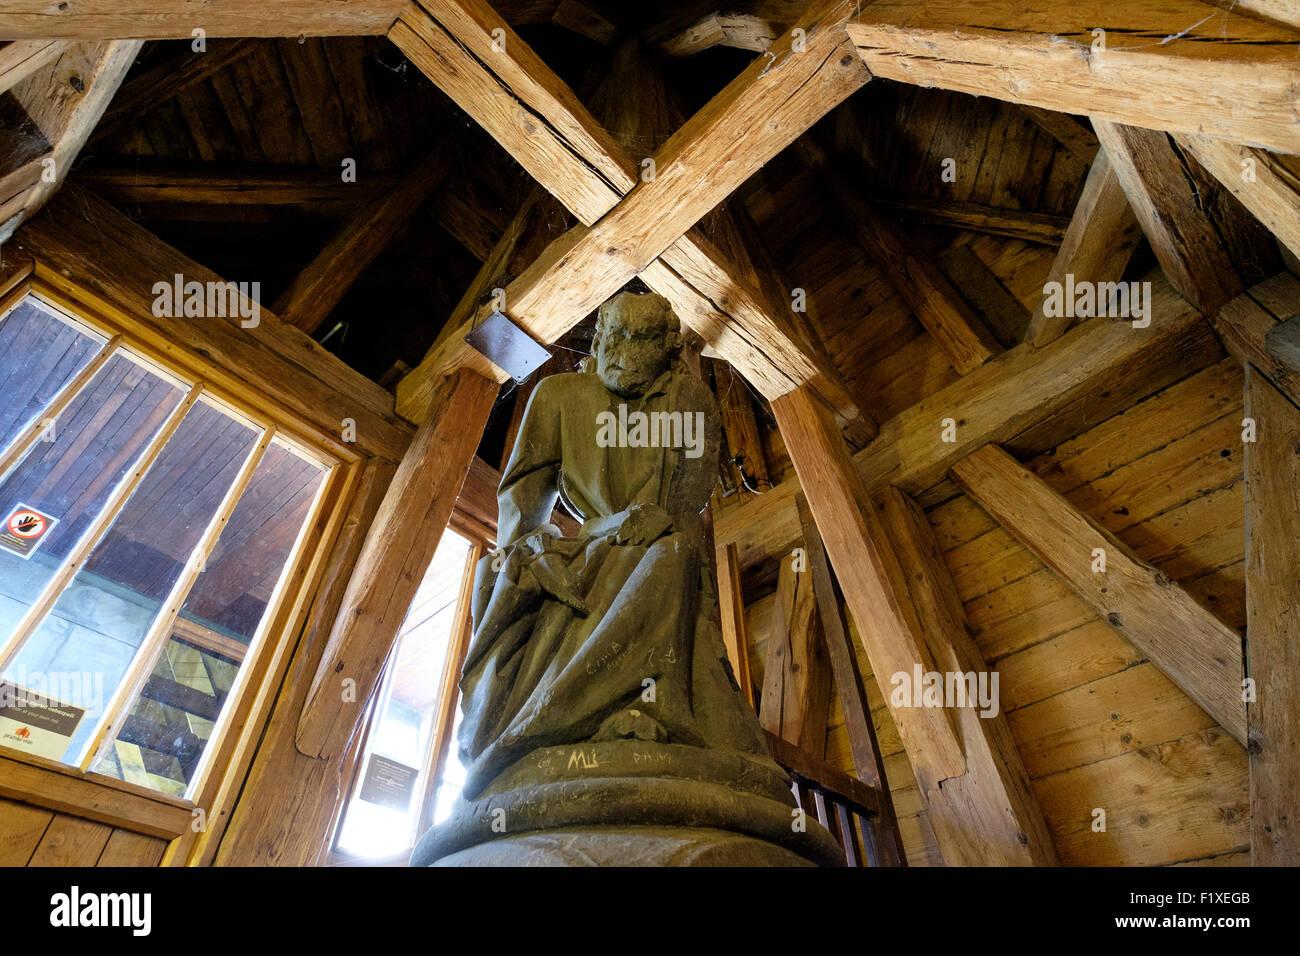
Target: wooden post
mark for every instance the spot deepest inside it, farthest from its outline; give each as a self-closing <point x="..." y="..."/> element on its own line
<point x="869" y="571"/>
<point x="1272" y="627"/>
<point x="396" y="554"/>
<point x="734" y="633"/>
<point x="987" y="816"/>
<point x="797" y="679"/>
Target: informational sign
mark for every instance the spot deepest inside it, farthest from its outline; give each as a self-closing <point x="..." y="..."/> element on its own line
<point x="388" y="783"/>
<point x="36" y="724"/>
<point x="24" y="529"/>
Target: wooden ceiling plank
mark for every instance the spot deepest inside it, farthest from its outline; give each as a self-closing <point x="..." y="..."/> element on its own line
<point x="1191" y="646"/>
<point x="177" y="19"/>
<point x="316" y="290"/>
<point x="1272" y="638"/>
<point x="930" y="295"/>
<point x="1067" y="131"/>
<point x="1263" y="181"/>
<point x="166" y="80"/>
<point x="1172" y="65"/>
<point x="1040" y="227"/>
<point x="1093" y="371"/>
<point x="1097" y="246"/>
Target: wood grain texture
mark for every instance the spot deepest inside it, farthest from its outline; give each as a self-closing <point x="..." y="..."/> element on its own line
<point x="1197" y="651"/>
<point x="796" y="677"/>
<point x="1097" y="246"/>
<point x="21" y="58"/>
<point x="176" y="19"/>
<point x="125" y="848"/>
<point x="398" y="548"/>
<point x="71" y="841"/>
<point x="1204" y="246"/>
<point x="1166" y="64"/>
<point x="1267" y="184"/>
<point x="21" y="828"/>
<point x="1095" y="370"/>
<point x="735" y="635"/>
<point x="1272" y="630"/>
<point x="873" y="584"/>
<point x="1247" y="322"/>
<point x="987" y="815"/>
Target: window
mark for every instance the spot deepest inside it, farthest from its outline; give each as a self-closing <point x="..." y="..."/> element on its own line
<point x="408" y="763"/>
<point x="148" y="527"/>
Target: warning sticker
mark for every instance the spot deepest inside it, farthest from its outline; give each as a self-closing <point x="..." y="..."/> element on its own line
<point x="24" y="529"/>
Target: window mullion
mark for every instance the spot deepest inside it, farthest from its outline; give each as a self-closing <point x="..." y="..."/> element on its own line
<point x="112" y="507"/>
<point x="448" y="693"/>
<point x="137" y="674"/>
<point x="19" y="447"/>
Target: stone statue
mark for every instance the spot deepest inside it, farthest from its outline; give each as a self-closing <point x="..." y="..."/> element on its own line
<point x="601" y="721"/>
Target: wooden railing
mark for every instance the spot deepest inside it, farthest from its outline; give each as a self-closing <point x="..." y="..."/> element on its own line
<point x="861" y="817"/>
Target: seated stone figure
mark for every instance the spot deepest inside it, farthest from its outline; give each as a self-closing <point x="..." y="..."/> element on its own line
<point x="601" y="721"/>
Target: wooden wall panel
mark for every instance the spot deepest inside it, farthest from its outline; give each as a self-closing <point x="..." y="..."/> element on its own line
<point x="34" y="836"/>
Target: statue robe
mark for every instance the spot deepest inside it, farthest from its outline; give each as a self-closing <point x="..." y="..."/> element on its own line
<point x="646" y="660"/>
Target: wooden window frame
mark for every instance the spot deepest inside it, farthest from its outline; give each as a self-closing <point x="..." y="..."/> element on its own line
<point x="229" y="751"/>
<point x="480" y="538"/>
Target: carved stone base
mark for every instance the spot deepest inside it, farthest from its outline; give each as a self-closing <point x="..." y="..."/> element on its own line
<point x="652" y="800"/>
<point x="635" y="846"/>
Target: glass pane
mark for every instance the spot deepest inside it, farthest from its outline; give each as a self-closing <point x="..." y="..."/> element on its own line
<point x="103" y="615"/>
<point x="380" y="819"/>
<point x="96" y="441"/>
<point x="40" y="352"/>
<point x="173" y="718"/>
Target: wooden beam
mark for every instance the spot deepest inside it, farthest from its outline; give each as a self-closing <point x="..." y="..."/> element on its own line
<point x="1041" y="227"/>
<point x="316" y="290"/>
<point x="1102" y="236"/>
<point x="874" y="587"/>
<point x="1210" y="250"/>
<point x="796" y="677"/>
<point x="21" y="58"/>
<point x="735" y="633"/>
<point x="770" y="104"/>
<point x="937" y="305"/>
<point x="987" y="815"/>
<point x="1250" y="324"/>
<point x="1031" y="399"/>
<point x="65" y="99"/>
<point x="853" y="695"/>
<point x="1162" y="64"/>
<point x="1267" y="184"/>
<point x="1067" y="131"/>
<point x="85" y="247"/>
<point x="1193" y="648"/>
<point x="142" y="181"/>
<point x="177" y="19"/>
<point x="1279" y="11"/>
<point x="1272" y="633"/>
<point x="397" y="552"/>
<point x="167" y="80"/>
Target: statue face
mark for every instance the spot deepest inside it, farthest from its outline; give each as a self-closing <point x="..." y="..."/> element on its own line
<point x="632" y="349"/>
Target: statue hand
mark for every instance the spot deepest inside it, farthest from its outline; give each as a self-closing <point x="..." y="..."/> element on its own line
<point x="643" y="524"/>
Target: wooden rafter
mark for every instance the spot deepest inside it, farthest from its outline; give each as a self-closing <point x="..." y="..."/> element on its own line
<point x="1038" y="397"/>
<point x="1102" y="236"/>
<point x="1193" y="648"/>
<point x="65" y="99"/>
<point x="1250" y="326"/>
<point x="316" y="290"/>
<point x="1162" y="64"/>
<point x="21" y="58"/>
<point x="1207" y="244"/>
<point x="541" y="123"/>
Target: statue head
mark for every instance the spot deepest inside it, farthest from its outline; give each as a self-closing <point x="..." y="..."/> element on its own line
<point x="638" y="338"/>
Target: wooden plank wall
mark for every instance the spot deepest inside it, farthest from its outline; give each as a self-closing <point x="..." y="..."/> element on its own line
<point x="1097" y="725"/>
<point x="33" y="836"/>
